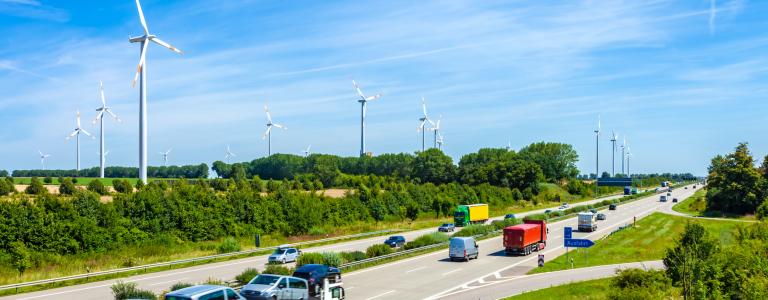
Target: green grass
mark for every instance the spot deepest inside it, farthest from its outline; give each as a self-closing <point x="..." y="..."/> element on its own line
<point x="80" y="180"/>
<point x="696" y="205"/>
<point x="648" y="240"/>
<point x="584" y="290"/>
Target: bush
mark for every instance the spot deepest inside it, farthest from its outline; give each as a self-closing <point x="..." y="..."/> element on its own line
<point x="66" y="187"/>
<point x="332" y="259"/>
<point x="426" y="240"/>
<point x="48" y="180"/>
<point x="640" y="284"/>
<point x="36" y="187"/>
<point x="214" y="281"/>
<point x="180" y="285"/>
<point x="20" y="256"/>
<point x="128" y="290"/>
<point x="762" y="211"/>
<point x="278" y="270"/>
<point x="473" y="230"/>
<point x="309" y="258"/>
<point x="122" y="186"/>
<point x="5" y="187"/>
<point x="353" y="256"/>
<point x="98" y="187"/>
<point x="378" y="250"/>
<point x="247" y="275"/>
<point x="228" y="245"/>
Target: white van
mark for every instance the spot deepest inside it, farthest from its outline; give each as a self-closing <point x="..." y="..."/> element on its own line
<point x="463" y="248"/>
<point x="278" y="287"/>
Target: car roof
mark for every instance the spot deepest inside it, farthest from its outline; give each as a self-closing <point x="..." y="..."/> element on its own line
<point x="462" y="238"/>
<point x="195" y="290"/>
<point x="310" y="267"/>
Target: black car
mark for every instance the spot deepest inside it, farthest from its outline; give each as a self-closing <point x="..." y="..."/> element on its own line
<point x="674" y="200"/>
<point x="314" y="275"/>
<point x="612" y="207"/>
<point x="395" y="241"/>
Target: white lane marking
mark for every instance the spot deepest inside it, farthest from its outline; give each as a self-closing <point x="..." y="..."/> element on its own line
<point x="452" y="271"/>
<point x="382" y="294"/>
<point x="417" y="269"/>
<point x="349" y="288"/>
<point x="164" y="282"/>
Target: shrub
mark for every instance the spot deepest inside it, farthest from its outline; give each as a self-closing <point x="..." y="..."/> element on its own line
<point x="378" y="250"/>
<point x="762" y="211"/>
<point x="5" y="187"/>
<point x="247" y="275"/>
<point x="228" y="245"/>
<point x="36" y="187"/>
<point x="66" y="187"/>
<point x="332" y="259"/>
<point x="20" y="256"/>
<point x="278" y="270"/>
<point x="309" y="258"/>
<point x="48" y="180"/>
<point x="98" y="187"/>
<point x="180" y="285"/>
<point x="128" y="290"/>
<point x="426" y="240"/>
<point x="473" y="230"/>
<point x="353" y="256"/>
<point x="214" y="281"/>
<point x="122" y="186"/>
<point x="640" y="284"/>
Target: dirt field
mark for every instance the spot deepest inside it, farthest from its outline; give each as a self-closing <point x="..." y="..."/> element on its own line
<point x="54" y="189"/>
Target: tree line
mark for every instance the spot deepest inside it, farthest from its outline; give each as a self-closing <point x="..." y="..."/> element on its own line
<point x="736" y="185"/>
<point x="189" y="171"/>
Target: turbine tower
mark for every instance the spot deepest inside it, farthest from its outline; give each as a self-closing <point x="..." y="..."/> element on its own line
<point x="440" y="142"/>
<point x="268" y="133"/>
<point x="424" y="119"/>
<point x="597" y="154"/>
<point x="141" y="76"/>
<point x="614" y="137"/>
<point x="165" y="156"/>
<point x="436" y="129"/>
<point x="100" y="117"/>
<point x="42" y="158"/>
<point x="363" y="100"/>
<point x="629" y="155"/>
<point x="306" y="151"/>
<point x="509" y="146"/>
<point x="229" y="154"/>
<point x="623" y="146"/>
<point x="76" y="133"/>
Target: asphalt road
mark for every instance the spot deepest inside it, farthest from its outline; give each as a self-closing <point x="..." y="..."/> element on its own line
<point x="434" y="276"/>
<point x="159" y="281"/>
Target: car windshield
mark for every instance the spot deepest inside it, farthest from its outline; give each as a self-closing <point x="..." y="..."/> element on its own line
<point x="447" y="225"/>
<point x="264" y="280"/>
<point x="280" y="251"/>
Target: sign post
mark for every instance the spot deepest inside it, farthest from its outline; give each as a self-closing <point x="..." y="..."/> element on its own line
<point x="578" y="243"/>
<point x="568" y="235"/>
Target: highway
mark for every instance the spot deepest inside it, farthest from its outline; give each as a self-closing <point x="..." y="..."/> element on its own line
<point x="227" y="270"/>
<point x="434" y="276"/>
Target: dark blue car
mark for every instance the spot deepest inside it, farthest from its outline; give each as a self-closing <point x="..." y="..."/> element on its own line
<point x="395" y="241"/>
<point x="314" y="275"/>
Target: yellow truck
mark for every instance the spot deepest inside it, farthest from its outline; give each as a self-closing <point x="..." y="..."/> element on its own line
<point x="470" y="214"/>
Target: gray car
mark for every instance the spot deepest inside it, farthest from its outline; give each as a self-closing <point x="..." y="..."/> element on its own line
<point x="275" y="287"/>
<point x="284" y="254"/>
<point x="200" y="292"/>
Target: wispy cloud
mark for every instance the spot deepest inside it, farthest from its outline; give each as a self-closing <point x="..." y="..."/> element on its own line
<point x="712" y="15"/>
<point x="32" y="9"/>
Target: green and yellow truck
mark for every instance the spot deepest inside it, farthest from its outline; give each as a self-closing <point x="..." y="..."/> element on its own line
<point x="470" y="214"/>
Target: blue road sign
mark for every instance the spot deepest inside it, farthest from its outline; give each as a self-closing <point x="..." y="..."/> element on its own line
<point x="578" y="243"/>
<point x="568" y="233"/>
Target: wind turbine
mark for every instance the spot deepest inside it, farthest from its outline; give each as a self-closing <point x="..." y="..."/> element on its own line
<point x="363" y="101"/>
<point x="597" y="154"/>
<point x="424" y="119"/>
<point x="440" y="141"/>
<point x="42" y="158"/>
<point x="509" y="146"/>
<point x="436" y="129"/>
<point x="141" y="76"/>
<point x="623" y="146"/>
<point x="629" y="155"/>
<point x="165" y="156"/>
<point x="306" y="151"/>
<point x="77" y="132"/>
<point x="268" y="133"/>
<point x="229" y="154"/>
<point x="614" y="137"/>
<point x="100" y="117"/>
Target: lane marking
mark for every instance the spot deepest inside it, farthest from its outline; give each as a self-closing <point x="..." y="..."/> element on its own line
<point x="164" y="282"/>
<point x="379" y="295"/>
<point x="452" y="271"/>
<point x="417" y="269"/>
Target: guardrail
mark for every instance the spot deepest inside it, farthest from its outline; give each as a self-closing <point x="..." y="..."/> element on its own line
<point x="181" y="261"/>
<point x="391" y="255"/>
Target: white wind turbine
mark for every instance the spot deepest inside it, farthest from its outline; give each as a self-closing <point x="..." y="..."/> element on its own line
<point x="363" y="101"/>
<point x="436" y="130"/>
<point x="42" y="158"/>
<point x="306" y="151"/>
<point x="614" y="138"/>
<point x="440" y="141"/>
<point x="165" y="156"/>
<point x="268" y="133"/>
<point x="141" y="76"/>
<point x="100" y="117"/>
<point x="597" y="154"/>
<point x="229" y="154"/>
<point x="424" y="119"/>
<point x="623" y="146"/>
<point x="79" y="129"/>
<point x="509" y="146"/>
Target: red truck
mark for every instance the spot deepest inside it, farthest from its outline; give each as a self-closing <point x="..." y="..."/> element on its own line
<point x="525" y="238"/>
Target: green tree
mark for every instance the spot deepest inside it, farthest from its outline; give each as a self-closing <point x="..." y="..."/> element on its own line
<point x="20" y="256"/>
<point x="687" y="262"/>
<point x="122" y="186"/>
<point x="734" y="184"/>
<point x="67" y="187"/>
<point x="557" y="160"/>
<point x="36" y="187"/>
<point x="98" y="187"/>
<point x="434" y="166"/>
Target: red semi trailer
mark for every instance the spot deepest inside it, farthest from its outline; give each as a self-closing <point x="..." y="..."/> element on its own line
<point x="525" y="238"/>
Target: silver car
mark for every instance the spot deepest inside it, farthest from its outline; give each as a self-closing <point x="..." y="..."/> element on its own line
<point x="275" y="287"/>
<point x="200" y="292"/>
<point x="284" y="254"/>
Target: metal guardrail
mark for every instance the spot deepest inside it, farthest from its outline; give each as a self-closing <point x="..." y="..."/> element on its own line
<point x="181" y="261"/>
<point x="391" y="255"/>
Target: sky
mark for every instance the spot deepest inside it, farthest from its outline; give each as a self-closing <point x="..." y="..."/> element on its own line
<point x="682" y="81"/>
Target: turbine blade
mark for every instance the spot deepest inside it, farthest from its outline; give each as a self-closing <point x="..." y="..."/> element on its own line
<point x="421" y="125"/>
<point x="166" y="45"/>
<point x="374" y="97"/>
<point x="359" y="92"/>
<point x="113" y="115"/>
<point x="98" y="117"/>
<point x="141" y="17"/>
<point x="141" y="61"/>
<point x="101" y="93"/>
<point x="266" y="133"/>
<point x="86" y="132"/>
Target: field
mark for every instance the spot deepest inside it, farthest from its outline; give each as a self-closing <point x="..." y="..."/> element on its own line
<point x="696" y="205"/>
<point x="80" y="180"/>
<point x="585" y="290"/>
<point x="648" y="240"/>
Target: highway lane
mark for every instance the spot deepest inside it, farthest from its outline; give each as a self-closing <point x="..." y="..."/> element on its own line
<point x="227" y="270"/>
<point x="433" y="275"/>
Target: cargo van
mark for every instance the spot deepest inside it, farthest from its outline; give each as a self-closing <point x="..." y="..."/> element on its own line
<point x="463" y="248"/>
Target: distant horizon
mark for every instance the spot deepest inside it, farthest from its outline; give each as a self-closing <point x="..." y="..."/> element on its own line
<point x="683" y="82"/>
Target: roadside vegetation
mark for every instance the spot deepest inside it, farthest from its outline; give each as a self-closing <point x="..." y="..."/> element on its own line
<point x="583" y="290"/>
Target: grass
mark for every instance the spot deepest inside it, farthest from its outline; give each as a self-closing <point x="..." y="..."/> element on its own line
<point x="696" y="206"/>
<point x="80" y="180"/>
<point x="648" y="240"/>
<point x="584" y="290"/>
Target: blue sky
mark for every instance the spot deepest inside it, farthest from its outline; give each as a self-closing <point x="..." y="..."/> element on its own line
<point x="683" y="80"/>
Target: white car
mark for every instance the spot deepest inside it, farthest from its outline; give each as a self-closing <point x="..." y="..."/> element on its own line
<point x="275" y="287"/>
<point x="284" y="255"/>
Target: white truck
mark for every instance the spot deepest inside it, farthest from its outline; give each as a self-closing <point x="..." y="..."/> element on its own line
<point x="330" y="291"/>
<point x="587" y="221"/>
